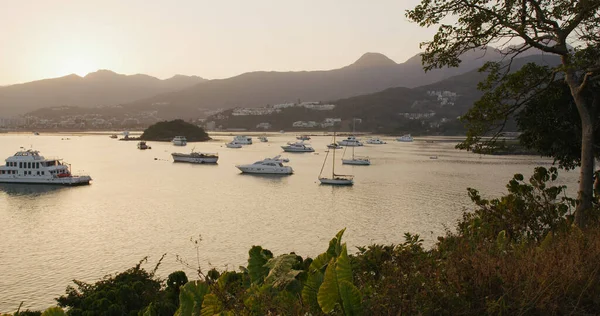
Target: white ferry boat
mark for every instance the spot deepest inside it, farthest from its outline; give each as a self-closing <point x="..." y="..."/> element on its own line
<point x="405" y="138"/>
<point x="30" y="167"/>
<point x="196" y="157"/>
<point x="351" y="141"/>
<point x="179" y="141"/>
<point x="267" y="166"/>
<point x="375" y="141"/>
<point x="298" y="147"/>
<point x="244" y="140"/>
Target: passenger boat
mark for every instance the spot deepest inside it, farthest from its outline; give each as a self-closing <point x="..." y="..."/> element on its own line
<point x="298" y="147"/>
<point x="335" y="179"/>
<point x="179" y="141"/>
<point x="267" y="166"/>
<point x="244" y="140"/>
<point x="142" y="145"/>
<point x="405" y="138"/>
<point x="195" y="157"/>
<point x="375" y="141"/>
<point x="29" y="167"/>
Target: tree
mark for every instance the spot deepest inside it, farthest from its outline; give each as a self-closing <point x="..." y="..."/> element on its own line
<point x="565" y="28"/>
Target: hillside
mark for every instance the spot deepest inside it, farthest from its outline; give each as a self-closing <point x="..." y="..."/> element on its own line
<point x="101" y="88"/>
<point x="429" y="108"/>
<point x="370" y="73"/>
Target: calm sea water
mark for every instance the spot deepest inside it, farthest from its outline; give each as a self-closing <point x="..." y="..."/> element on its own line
<point x="141" y="204"/>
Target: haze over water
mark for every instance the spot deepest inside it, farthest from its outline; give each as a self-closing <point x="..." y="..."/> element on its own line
<point x="140" y="206"/>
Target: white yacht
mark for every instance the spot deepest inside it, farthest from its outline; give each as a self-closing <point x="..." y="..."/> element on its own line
<point x="142" y="145"/>
<point x="196" y="157"/>
<point x="351" y="141"/>
<point x="361" y="161"/>
<point x="263" y="139"/>
<point x="244" y="140"/>
<point x="298" y="147"/>
<point x="179" y="141"/>
<point x="375" y="141"/>
<point x="405" y="138"/>
<point x="267" y="166"/>
<point x="335" y="179"/>
<point x="303" y="137"/>
<point x="30" y="167"/>
<point x="233" y="144"/>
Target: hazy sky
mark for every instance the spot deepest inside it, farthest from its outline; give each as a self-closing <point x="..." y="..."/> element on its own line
<point x="212" y="39"/>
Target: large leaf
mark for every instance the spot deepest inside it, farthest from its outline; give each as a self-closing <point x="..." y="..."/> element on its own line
<point x="329" y="296"/>
<point x="351" y="298"/>
<point x="320" y="262"/>
<point x="311" y="288"/>
<point x="343" y="268"/>
<point x="54" y="311"/>
<point x="256" y="264"/>
<point x="211" y="305"/>
<point x="280" y="270"/>
<point x="191" y="297"/>
<point x="335" y="244"/>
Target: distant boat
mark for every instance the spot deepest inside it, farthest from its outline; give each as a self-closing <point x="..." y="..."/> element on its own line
<point x="233" y="144"/>
<point x="267" y="166"/>
<point x="351" y="141"/>
<point x="433" y="157"/>
<point x="334" y="145"/>
<point x="244" y="140"/>
<point x="375" y="141"/>
<point x="405" y="138"/>
<point x="335" y="179"/>
<point x="195" y="157"/>
<point x="303" y="137"/>
<point x="282" y="131"/>
<point x="361" y="161"/>
<point x="142" y="145"/>
<point x="36" y="133"/>
<point x="298" y="147"/>
<point x="179" y="141"/>
<point x="113" y="136"/>
<point x="263" y="139"/>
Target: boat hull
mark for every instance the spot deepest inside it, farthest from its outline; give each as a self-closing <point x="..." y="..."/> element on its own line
<point x="195" y="159"/>
<point x="233" y="145"/>
<point x="179" y="143"/>
<point x="297" y="150"/>
<point x="262" y="170"/>
<point x="350" y="144"/>
<point x="358" y="162"/>
<point x="68" y="181"/>
<point x="336" y="181"/>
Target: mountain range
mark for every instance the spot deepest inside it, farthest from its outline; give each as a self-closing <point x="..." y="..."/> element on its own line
<point x="100" y="88"/>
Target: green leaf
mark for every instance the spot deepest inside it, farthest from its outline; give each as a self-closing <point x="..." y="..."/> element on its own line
<point x="351" y="298"/>
<point x="191" y="297"/>
<point x="54" y="311"/>
<point x="211" y="305"/>
<point x="311" y="288"/>
<point x="343" y="268"/>
<point x="329" y="296"/>
<point x="280" y="270"/>
<point x="335" y="244"/>
<point x="257" y="259"/>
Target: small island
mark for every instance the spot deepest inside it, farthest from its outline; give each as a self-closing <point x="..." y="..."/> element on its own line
<point x="167" y="130"/>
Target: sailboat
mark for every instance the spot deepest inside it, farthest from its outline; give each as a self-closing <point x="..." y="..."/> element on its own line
<point x="362" y="161"/>
<point x="335" y="179"/>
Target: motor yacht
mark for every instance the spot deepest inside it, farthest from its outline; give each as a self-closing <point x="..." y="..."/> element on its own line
<point x="233" y="144"/>
<point x="196" y="157"/>
<point x="28" y="166"/>
<point x="267" y="166"/>
<point x="375" y="141"/>
<point x="298" y="147"/>
<point x="244" y="140"/>
<point x="405" y="138"/>
<point x="179" y="141"/>
<point x="351" y="141"/>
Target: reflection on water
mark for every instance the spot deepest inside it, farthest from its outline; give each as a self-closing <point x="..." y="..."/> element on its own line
<point x="141" y="204"/>
<point x="30" y="190"/>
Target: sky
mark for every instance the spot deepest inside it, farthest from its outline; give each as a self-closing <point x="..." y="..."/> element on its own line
<point x="212" y="39"/>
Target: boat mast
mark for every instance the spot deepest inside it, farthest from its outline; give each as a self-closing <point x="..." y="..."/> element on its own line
<point x="333" y="160"/>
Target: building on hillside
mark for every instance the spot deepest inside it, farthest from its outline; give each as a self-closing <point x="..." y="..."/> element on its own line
<point x="263" y="126"/>
<point x="210" y="126"/>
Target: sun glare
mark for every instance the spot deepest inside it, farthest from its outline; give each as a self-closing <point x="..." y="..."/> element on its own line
<point x="77" y="65"/>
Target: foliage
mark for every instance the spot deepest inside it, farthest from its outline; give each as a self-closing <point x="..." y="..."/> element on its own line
<point x="167" y="130"/>
<point x="132" y="291"/>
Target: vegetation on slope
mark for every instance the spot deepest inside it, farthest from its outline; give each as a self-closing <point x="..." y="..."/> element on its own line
<point x="167" y="130"/>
